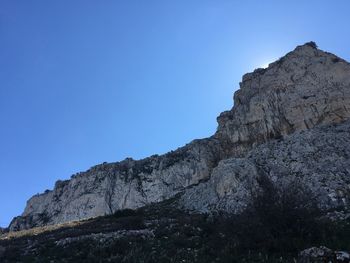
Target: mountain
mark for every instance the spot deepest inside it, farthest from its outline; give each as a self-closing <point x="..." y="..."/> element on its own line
<point x="289" y="124"/>
<point x="271" y="185"/>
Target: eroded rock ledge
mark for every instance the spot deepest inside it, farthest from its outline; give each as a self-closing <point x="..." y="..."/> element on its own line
<point x="306" y="88"/>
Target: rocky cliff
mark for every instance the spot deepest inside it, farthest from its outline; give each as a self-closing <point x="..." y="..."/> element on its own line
<point x="264" y="133"/>
<point x="315" y="160"/>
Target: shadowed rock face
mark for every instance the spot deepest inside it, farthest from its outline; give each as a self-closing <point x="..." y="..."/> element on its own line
<point x="304" y="89"/>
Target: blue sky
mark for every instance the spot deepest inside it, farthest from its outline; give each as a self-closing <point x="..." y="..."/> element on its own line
<point x="83" y="82"/>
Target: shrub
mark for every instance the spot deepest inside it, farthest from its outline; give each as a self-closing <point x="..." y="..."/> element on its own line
<point x="281" y="219"/>
<point x="126" y="212"/>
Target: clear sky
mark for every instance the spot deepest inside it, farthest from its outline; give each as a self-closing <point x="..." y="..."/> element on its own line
<point x="83" y="82"/>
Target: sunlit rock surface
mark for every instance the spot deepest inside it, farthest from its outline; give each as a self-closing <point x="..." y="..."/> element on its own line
<point x="317" y="159"/>
<point x="307" y="89"/>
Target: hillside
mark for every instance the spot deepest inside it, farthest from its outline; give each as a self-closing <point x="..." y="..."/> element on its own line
<point x="305" y="88"/>
<point x="272" y="181"/>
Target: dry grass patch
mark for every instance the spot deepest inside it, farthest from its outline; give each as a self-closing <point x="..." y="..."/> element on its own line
<point x="39" y="230"/>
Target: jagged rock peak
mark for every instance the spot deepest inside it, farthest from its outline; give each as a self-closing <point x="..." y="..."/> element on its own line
<point x="306" y="88"/>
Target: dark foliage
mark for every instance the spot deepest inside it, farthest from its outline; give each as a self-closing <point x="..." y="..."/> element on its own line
<point x="281" y="221"/>
<point x="127" y="213"/>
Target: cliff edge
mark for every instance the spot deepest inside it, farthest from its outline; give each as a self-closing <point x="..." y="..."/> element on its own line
<point x="283" y="117"/>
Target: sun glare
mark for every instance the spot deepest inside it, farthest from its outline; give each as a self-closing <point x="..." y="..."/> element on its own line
<point x="264" y="65"/>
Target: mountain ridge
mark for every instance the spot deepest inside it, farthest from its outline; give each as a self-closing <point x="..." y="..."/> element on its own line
<point x="305" y="88"/>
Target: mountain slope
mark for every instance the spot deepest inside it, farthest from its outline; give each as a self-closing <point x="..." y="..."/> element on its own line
<point x="279" y="220"/>
<point x="315" y="160"/>
<point x="306" y="88"/>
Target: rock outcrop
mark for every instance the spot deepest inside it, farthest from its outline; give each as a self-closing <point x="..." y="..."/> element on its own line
<point x="317" y="160"/>
<point x="131" y="184"/>
<point x="307" y="87"/>
<point x="323" y="254"/>
<point x="304" y="89"/>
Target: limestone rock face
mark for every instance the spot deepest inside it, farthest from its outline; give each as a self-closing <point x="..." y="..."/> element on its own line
<point x="307" y="88"/>
<point x="131" y="184"/>
<point x="317" y="159"/>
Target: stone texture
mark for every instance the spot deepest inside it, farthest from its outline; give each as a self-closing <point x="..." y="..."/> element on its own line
<point x="304" y="89"/>
<point x="323" y="254"/>
<point x="106" y="238"/>
<point x="317" y="159"/>
<point x="106" y="188"/>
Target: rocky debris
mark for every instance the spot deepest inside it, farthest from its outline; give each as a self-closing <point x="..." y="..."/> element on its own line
<point x="316" y="254"/>
<point x="342" y="256"/>
<point x="306" y="88"/>
<point x="107" y="238"/>
<point x="323" y="254"/>
<point x="316" y="159"/>
<point x="338" y="215"/>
